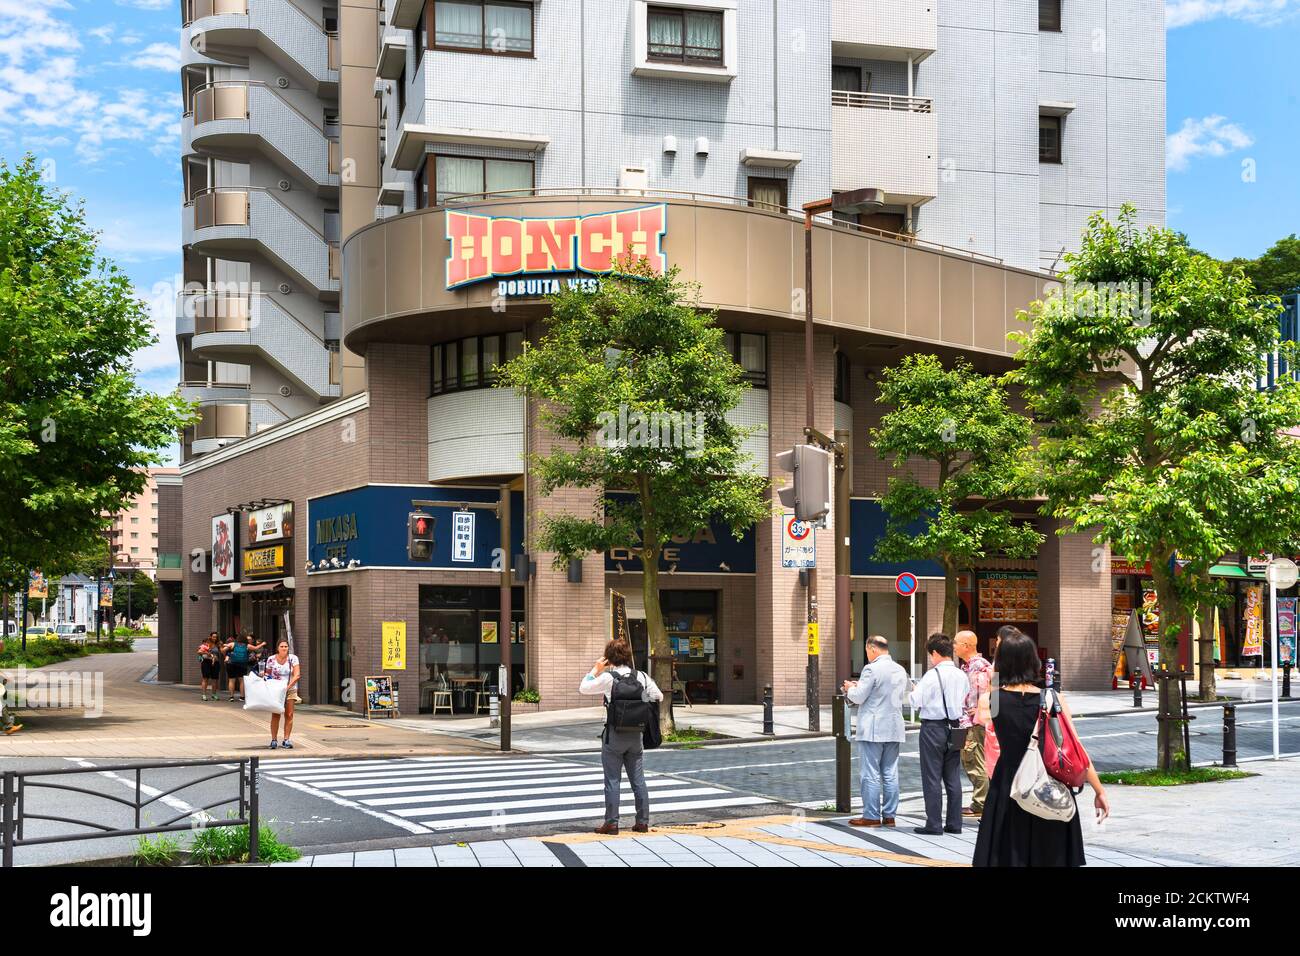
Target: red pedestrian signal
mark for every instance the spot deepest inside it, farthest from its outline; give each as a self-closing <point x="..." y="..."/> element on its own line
<point x="419" y="536"/>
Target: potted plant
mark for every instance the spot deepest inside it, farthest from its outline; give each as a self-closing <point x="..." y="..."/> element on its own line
<point x="527" y="699"/>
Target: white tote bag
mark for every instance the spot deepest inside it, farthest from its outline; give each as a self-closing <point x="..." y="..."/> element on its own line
<point x="266" y="696"/>
<point x="1036" y="790"/>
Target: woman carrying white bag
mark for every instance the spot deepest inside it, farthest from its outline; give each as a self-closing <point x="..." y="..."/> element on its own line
<point x="1010" y="834"/>
<point x="273" y="693"/>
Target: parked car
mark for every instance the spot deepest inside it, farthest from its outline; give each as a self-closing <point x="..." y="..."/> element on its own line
<point x="76" y="633"/>
<point x="40" y="631"/>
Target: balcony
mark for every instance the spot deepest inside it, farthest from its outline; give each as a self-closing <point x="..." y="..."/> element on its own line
<point x="884" y="29"/>
<point x="238" y="115"/>
<point x="232" y="222"/>
<point x="219" y="425"/>
<point x="232" y="326"/>
<point x="885" y="141"/>
<point x="227" y="29"/>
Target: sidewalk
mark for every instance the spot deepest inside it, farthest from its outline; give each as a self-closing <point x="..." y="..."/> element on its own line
<point x="783" y="840"/>
<point x="148" y="720"/>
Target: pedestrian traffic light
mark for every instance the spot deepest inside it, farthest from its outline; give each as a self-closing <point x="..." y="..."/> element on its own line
<point x="810" y="495"/>
<point x="419" y="536"/>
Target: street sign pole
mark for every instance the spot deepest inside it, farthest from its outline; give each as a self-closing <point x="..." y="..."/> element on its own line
<point x="911" y="655"/>
<point x="1282" y="573"/>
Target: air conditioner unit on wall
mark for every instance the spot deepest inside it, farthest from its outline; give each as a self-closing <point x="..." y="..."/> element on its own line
<point x="633" y="179"/>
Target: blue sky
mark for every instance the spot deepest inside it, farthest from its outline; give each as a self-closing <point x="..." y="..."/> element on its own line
<point x="92" y="87"/>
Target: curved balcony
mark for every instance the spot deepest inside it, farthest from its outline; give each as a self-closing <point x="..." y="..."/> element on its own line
<point x="226" y="29"/>
<point x="233" y="326"/>
<point x="243" y="115"/>
<point x="232" y="221"/>
<point x="871" y="287"/>
<point x="219" y="425"/>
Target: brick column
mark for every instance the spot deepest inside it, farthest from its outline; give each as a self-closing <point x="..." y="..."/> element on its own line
<point x="1074" y="591"/>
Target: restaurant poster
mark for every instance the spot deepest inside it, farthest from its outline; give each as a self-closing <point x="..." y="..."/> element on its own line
<point x="1286" y="630"/>
<point x="487" y="632"/>
<point x="393" y="640"/>
<point x="36" y="585"/>
<point x="1252" y="641"/>
<point x="1008" y="597"/>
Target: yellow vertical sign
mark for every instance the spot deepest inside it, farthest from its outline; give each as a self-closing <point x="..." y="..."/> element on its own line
<point x="393" y="639"/>
<point x="814" y="646"/>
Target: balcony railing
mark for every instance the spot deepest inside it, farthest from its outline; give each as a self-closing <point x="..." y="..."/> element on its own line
<point x="220" y="206"/>
<point x="222" y="421"/>
<point x="882" y="101"/>
<point x="192" y="10"/>
<point x="336" y="261"/>
<point x="335" y="156"/>
<point x="227" y="100"/>
<point x="333" y="55"/>
<point x="219" y="311"/>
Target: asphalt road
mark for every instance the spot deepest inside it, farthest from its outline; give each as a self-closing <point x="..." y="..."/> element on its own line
<point x="329" y="804"/>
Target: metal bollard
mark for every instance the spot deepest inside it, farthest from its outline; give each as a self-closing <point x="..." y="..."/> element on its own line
<point x="1230" y="735"/>
<point x="1137" y="691"/>
<point x="1286" y="679"/>
<point x="768" y="730"/>
<point x="843" y="755"/>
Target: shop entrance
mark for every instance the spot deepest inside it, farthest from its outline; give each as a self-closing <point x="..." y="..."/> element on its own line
<point x="332" y="646"/>
<point x="691" y="619"/>
<point x="460" y="647"/>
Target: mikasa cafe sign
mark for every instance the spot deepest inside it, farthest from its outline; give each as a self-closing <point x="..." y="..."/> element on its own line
<point x="552" y="253"/>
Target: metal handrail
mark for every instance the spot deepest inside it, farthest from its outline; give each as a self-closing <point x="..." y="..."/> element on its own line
<point x="233" y="386"/>
<point x="14" y="812"/>
<point x="824" y="220"/>
<point x="882" y="101"/>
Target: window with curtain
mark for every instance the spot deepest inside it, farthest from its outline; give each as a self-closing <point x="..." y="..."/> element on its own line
<point x="767" y="193"/>
<point x="472" y="362"/>
<point x="1049" y="15"/>
<point x="1049" y="139"/>
<point x="485" y="26"/>
<point x="472" y="176"/>
<point x="677" y="35"/>
<point x="749" y="351"/>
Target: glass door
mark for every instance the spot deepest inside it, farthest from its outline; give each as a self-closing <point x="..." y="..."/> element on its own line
<point x="338" y="648"/>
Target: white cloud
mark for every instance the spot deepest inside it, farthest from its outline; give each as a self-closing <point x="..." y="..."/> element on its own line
<point x="1209" y="136"/>
<point x="146" y="4"/>
<point x="1181" y="13"/>
<point x="158" y="56"/>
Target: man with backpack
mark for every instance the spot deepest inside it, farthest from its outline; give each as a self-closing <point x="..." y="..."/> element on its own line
<point x="629" y="696"/>
<point x="239" y="661"/>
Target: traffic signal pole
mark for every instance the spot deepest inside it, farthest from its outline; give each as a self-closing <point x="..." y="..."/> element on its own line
<point x="813" y="677"/>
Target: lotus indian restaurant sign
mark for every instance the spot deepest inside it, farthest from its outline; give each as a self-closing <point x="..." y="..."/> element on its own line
<point x="535" y="257"/>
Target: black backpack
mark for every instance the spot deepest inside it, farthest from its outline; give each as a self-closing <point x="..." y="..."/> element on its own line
<point x="626" y="710"/>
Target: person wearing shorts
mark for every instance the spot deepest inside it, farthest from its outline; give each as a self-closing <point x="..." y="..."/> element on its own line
<point x="283" y="666"/>
<point x="210" y="667"/>
<point x="239" y="659"/>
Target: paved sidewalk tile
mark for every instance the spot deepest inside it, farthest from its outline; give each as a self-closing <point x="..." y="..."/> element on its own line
<point x="375" y="858"/>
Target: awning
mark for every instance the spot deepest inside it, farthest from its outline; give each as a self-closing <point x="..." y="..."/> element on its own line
<point x="262" y="586"/>
<point x="1233" y="571"/>
<point x="223" y="595"/>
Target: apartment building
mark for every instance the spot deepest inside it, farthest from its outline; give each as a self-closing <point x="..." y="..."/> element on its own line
<point x="491" y="149"/>
<point x="133" y="536"/>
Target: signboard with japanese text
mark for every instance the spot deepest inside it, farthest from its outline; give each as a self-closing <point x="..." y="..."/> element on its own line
<point x="462" y="536"/>
<point x="393" y="644"/>
<point x="270" y="524"/>
<point x="224" y="543"/>
<point x="798" y="543"/>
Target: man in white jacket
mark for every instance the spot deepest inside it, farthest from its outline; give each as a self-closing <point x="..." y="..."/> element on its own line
<point x="878" y="695"/>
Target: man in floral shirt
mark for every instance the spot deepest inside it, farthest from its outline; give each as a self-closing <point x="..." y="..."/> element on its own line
<point x="979" y="672"/>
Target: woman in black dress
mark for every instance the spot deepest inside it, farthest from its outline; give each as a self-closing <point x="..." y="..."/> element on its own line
<point x="1008" y="835"/>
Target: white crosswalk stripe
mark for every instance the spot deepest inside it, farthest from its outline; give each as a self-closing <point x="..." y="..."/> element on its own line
<point x="459" y="793"/>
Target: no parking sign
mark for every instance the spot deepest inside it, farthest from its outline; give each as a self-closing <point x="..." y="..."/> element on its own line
<point x="905" y="584"/>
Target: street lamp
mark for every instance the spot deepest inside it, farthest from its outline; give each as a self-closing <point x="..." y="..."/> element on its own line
<point x="857" y="200"/>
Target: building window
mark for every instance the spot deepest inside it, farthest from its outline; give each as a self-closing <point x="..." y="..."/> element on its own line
<point x="472" y="362"/>
<point x="1051" y="130"/>
<point x="401" y="96"/>
<point x="1049" y="15"/>
<point x="749" y="351"/>
<point x="842" y="377"/>
<point x="767" y="193"/>
<point x="504" y="27"/>
<point x="684" y="36"/>
<point x="849" y="79"/>
<point x="466" y="176"/>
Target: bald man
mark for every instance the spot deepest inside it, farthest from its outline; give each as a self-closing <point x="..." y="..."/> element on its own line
<point x="979" y="672"/>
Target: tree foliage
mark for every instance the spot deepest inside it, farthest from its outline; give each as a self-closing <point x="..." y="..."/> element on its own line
<point x="961" y="425"/>
<point x="1277" y="271"/>
<point x="75" y="429"/>
<point x="1143" y="370"/>
<point x="637" y="351"/>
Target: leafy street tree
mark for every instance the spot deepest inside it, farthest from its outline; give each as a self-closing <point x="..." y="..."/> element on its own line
<point x="75" y="430"/>
<point x="1143" y="371"/>
<point x="142" y="593"/>
<point x="635" y="383"/>
<point x="960" y="424"/>
<point x="1277" y="271"/>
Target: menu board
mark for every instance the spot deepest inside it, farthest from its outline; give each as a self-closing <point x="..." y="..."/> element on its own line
<point x="1008" y="596"/>
<point x="381" y="696"/>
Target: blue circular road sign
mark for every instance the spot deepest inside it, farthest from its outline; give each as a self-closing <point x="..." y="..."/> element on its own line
<point x="905" y="584"/>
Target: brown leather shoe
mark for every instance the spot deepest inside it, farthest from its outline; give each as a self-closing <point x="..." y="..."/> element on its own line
<point x="889" y="821"/>
<point x="641" y="828"/>
<point x="863" y="822"/>
<point x="607" y="829"/>
<point x="971" y="812"/>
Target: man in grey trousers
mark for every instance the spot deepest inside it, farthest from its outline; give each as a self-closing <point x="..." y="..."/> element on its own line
<point x="621" y="748"/>
<point x="940" y="698"/>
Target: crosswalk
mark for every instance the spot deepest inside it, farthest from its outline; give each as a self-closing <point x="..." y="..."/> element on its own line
<point x="432" y="794"/>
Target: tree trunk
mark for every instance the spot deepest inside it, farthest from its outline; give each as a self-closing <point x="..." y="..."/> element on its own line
<point x="1205" y="621"/>
<point x="1173" y="628"/>
<point x="951" y="599"/>
<point x="660" y="654"/>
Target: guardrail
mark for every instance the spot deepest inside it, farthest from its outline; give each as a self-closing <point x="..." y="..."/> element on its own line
<point x="882" y="101"/>
<point x="17" y="784"/>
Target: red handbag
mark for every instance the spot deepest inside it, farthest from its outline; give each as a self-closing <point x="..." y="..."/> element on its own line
<point x="1063" y="754"/>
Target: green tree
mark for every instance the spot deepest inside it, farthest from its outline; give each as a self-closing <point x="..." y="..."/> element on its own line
<point x="1143" y="372"/>
<point x="1277" y="271"/>
<point x="141" y="592"/>
<point x="960" y="425"/>
<point x="75" y="430"/>
<point x="638" y="352"/>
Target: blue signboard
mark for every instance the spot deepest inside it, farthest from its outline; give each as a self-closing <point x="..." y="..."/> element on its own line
<point x="711" y="550"/>
<point x="369" y="525"/>
<point x="866" y="527"/>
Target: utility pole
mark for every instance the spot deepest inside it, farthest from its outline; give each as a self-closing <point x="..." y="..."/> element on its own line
<point x="506" y="681"/>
